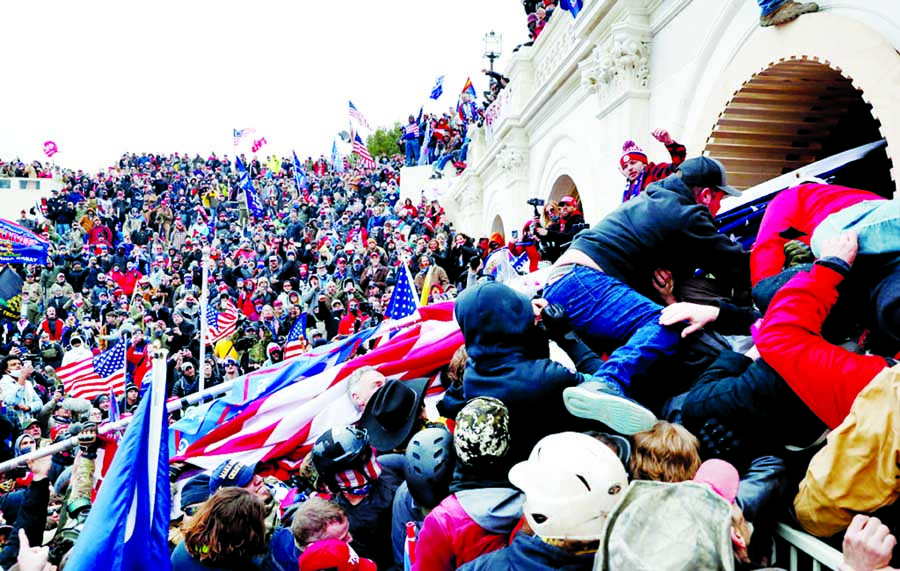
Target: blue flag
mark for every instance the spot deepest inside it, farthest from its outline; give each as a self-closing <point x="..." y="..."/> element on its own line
<point x="19" y="246"/>
<point x="337" y="161"/>
<point x="438" y="88"/>
<point x="128" y="527"/>
<point x="573" y="6"/>
<point x="300" y="180"/>
<point x="253" y="203"/>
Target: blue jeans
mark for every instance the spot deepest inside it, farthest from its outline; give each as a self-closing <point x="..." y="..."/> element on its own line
<point x="769" y="6"/>
<point x="412" y="152"/>
<point x="602" y="307"/>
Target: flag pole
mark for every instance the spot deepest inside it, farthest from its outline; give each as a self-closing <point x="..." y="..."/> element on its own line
<point x="204" y="301"/>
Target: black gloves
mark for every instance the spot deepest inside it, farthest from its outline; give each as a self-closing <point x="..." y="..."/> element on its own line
<point x="88" y="441"/>
<point x="718" y="441"/>
<point x="555" y="322"/>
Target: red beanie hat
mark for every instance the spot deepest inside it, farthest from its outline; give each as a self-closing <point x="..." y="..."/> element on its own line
<point x="632" y="152"/>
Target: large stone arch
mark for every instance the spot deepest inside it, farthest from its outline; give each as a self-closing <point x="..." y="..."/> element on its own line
<point x="791" y="114"/>
<point x="813" y="44"/>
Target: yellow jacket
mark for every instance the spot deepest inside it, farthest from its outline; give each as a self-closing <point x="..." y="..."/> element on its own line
<point x="858" y="470"/>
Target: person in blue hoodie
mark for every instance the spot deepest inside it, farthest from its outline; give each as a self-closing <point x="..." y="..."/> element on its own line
<point x="509" y="359"/>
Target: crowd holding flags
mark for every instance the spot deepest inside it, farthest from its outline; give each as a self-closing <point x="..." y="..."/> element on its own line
<point x="253" y="204"/>
<point x="294" y="345"/>
<point x="128" y="525"/>
<point x="359" y="147"/>
<point x="96" y="375"/>
<point x="221" y="324"/>
<point x="300" y="180"/>
<point x="337" y="161"/>
<point x="466" y="107"/>
<point x="403" y="301"/>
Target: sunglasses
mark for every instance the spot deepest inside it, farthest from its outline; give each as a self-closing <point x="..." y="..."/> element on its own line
<point x="191" y="511"/>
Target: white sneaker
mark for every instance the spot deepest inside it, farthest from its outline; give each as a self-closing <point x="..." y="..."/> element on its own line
<point x="598" y="402"/>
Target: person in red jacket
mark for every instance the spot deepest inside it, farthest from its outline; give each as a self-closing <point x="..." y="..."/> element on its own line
<point x="127" y="280"/>
<point x="640" y="172"/>
<point x="484" y="508"/>
<point x="527" y="244"/>
<point x="794" y="214"/>
<point x="826" y="377"/>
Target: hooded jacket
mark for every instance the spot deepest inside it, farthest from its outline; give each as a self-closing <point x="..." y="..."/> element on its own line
<point x="663" y="227"/>
<point x="466" y="525"/>
<point x="509" y="360"/>
<point x="530" y="553"/>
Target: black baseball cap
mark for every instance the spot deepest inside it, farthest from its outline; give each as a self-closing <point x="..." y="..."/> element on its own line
<point x="704" y="172"/>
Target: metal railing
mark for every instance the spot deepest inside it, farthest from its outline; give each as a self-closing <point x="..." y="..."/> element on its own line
<point x="802" y="551"/>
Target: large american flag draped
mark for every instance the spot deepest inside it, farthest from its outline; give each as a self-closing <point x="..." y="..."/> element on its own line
<point x="357" y="116"/>
<point x="281" y="427"/>
<point x="95" y="375"/>
<point x="360" y="148"/>
<point x="294" y="345"/>
<point x="403" y="301"/>
<point x="221" y="324"/>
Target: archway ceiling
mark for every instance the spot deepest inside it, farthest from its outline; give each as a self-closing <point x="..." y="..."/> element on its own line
<point x="779" y="119"/>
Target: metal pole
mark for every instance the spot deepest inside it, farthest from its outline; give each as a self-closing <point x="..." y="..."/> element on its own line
<point x="204" y="301"/>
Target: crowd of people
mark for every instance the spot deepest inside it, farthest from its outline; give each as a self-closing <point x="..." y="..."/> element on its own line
<point x="661" y="402"/>
<point x="678" y="407"/>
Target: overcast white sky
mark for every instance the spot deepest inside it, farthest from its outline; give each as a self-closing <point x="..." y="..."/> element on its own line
<point x="100" y="78"/>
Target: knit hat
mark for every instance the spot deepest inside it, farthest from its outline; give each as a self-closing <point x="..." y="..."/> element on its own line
<point x="195" y="491"/>
<point x="721" y="476"/>
<point x="632" y="152"/>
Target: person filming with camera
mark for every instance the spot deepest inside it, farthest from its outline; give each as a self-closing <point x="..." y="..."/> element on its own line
<point x="556" y="237"/>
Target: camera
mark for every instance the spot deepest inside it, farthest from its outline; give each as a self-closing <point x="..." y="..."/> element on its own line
<point x="535" y="202"/>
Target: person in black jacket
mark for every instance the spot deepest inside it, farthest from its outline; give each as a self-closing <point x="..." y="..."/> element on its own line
<point x="555" y="238"/>
<point x="458" y="259"/>
<point x="602" y="276"/>
<point x="509" y="359"/>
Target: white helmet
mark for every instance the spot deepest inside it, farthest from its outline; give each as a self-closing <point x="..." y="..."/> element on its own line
<point x="571" y="483"/>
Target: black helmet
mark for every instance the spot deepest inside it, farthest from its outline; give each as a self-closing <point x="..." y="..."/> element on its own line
<point x="340" y="449"/>
<point x="430" y="460"/>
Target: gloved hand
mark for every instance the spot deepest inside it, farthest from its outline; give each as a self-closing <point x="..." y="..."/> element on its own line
<point x="719" y="441"/>
<point x="88" y="441"/>
<point x="796" y="253"/>
<point x="555" y="322"/>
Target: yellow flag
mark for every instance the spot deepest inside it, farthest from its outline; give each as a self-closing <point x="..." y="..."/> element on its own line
<point x="426" y="287"/>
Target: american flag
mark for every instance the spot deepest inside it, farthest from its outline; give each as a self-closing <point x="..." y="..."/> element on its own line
<point x="355" y="114"/>
<point x="221" y="324"/>
<point x="412" y="128"/>
<point x="294" y="346"/>
<point x="96" y="375"/>
<point x="280" y="428"/>
<point x="403" y="301"/>
<point x="241" y="133"/>
<point x="360" y="148"/>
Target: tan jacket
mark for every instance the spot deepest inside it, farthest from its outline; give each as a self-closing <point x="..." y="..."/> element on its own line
<point x="858" y="470"/>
